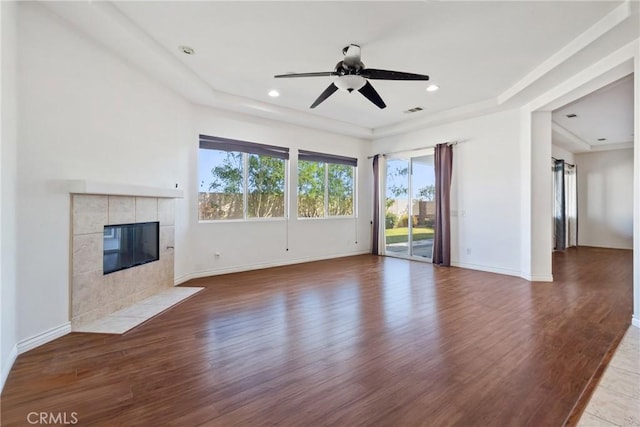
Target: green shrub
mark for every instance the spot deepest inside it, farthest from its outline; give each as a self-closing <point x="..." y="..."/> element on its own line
<point x="390" y="220"/>
<point x="428" y="222"/>
<point x="403" y="221"/>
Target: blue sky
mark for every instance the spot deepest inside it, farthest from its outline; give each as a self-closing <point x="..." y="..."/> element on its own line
<point x="422" y="174"/>
<point x="207" y="160"/>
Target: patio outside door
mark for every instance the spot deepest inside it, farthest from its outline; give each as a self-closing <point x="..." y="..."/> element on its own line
<point x="410" y="206"/>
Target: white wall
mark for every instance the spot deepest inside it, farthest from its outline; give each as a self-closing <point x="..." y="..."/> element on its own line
<point x="85" y="114"/>
<point x="252" y="244"/>
<point x="8" y="339"/>
<point x="485" y="188"/>
<point x="605" y="199"/>
<point x="562" y="154"/>
<point x="82" y="115"/>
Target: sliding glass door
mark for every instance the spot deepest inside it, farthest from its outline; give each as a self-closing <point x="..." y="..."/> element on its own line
<point x="410" y="206"/>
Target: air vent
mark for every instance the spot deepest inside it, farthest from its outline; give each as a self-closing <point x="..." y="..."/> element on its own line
<point x="413" y="110"/>
<point x="602" y="139"/>
<point x="186" y="50"/>
<point x="571" y="116"/>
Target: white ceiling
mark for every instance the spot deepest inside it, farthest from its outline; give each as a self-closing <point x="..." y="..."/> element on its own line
<point x="606" y="113"/>
<point x="482" y="54"/>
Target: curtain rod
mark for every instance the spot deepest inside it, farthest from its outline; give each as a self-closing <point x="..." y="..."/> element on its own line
<point x="565" y="162"/>
<point x="417" y="149"/>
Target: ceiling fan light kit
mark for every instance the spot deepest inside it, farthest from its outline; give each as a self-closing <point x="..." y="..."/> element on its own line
<point x="350" y="82"/>
<point x="352" y="75"/>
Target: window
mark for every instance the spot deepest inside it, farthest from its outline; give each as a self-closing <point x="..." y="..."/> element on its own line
<point x="326" y="185"/>
<point x="241" y="180"/>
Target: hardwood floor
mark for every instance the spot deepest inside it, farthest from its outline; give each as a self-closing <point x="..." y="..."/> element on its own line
<point x="354" y="341"/>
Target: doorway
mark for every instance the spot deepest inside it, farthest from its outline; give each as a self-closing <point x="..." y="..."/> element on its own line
<point x="565" y="205"/>
<point x="410" y="206"/>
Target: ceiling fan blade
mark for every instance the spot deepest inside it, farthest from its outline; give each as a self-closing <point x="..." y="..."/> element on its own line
<point x="319" y="74"/>
<point x="324" y="95"/>
<point x="351" y="55"/>
<point x="370" y="93"/>
<point x="374" y="74"/>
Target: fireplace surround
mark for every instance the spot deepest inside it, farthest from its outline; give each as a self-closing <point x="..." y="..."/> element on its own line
<point x="95" y="295"/>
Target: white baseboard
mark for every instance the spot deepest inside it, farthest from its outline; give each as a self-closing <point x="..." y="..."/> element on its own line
<point x="237" y="269"/>
<point x="635" y="321"/>
<point x="486" y="268"/>
<point x="537" y="278"/>
<point x="591" y="245"/>
<point x="7" y="365"/>
<point x="43" y="337"/>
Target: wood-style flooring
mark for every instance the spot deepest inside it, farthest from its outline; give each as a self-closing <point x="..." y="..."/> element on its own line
<point x="361" y="340"/>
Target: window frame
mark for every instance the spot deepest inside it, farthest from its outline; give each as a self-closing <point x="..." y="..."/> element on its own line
<point x="327" y="159"/>
<point x="247" y="148"/>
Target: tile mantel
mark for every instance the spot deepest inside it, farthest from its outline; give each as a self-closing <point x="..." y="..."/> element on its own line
<point x="81" y="186"/>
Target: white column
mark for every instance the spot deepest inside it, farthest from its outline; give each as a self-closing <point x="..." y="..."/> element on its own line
<point x="541" y="197"/>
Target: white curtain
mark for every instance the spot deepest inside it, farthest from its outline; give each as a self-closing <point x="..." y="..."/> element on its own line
<point x="565" y="205"/>
<point x="571" y="205"/>
<point x="559" y="206"/>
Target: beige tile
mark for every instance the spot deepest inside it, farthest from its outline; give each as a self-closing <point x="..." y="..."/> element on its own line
<point x="167" y="239"/>
<point x="165" y="271"/>
<point x="614" y="407"/>
<point x="115" y="286"/>
<point x="626" y="359"/>
<point x="87" y="291"/>
<point x="166" y="212"/>
<point x="146" y="311"/>
<point x="184" y="290"/>
<point x="146" y="209"/>
<point x="87" y="253"/>
<point x="621" y="381"/>
<point x="171" y="296"/>
<point x="89" y="317"/>
<point x="122" y="210"/>
<point x="111" y="325"/>
<point x="127" y="318"/>
<point x="119" y="304"/>
<point x="89" y="214"/>
<point x="633" y="333"/>
<point x="630" y="344"/>
<point x="589" y="420"/>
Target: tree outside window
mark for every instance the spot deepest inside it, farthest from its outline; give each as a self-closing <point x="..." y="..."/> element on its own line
<point x="311" y="186"/>
<point x="325" y="188"/>
<point x="240" y="185"/>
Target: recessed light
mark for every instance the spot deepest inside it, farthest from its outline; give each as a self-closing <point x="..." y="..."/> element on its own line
<point x="274" y="93"/>
<point x="432" y="88"/>
<point x="186" y="50"/>
<point x="571" y="116"/>
<point x="602" y="139"/>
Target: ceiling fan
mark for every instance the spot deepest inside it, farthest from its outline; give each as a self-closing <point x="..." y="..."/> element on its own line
<point x="352" y="75"/>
